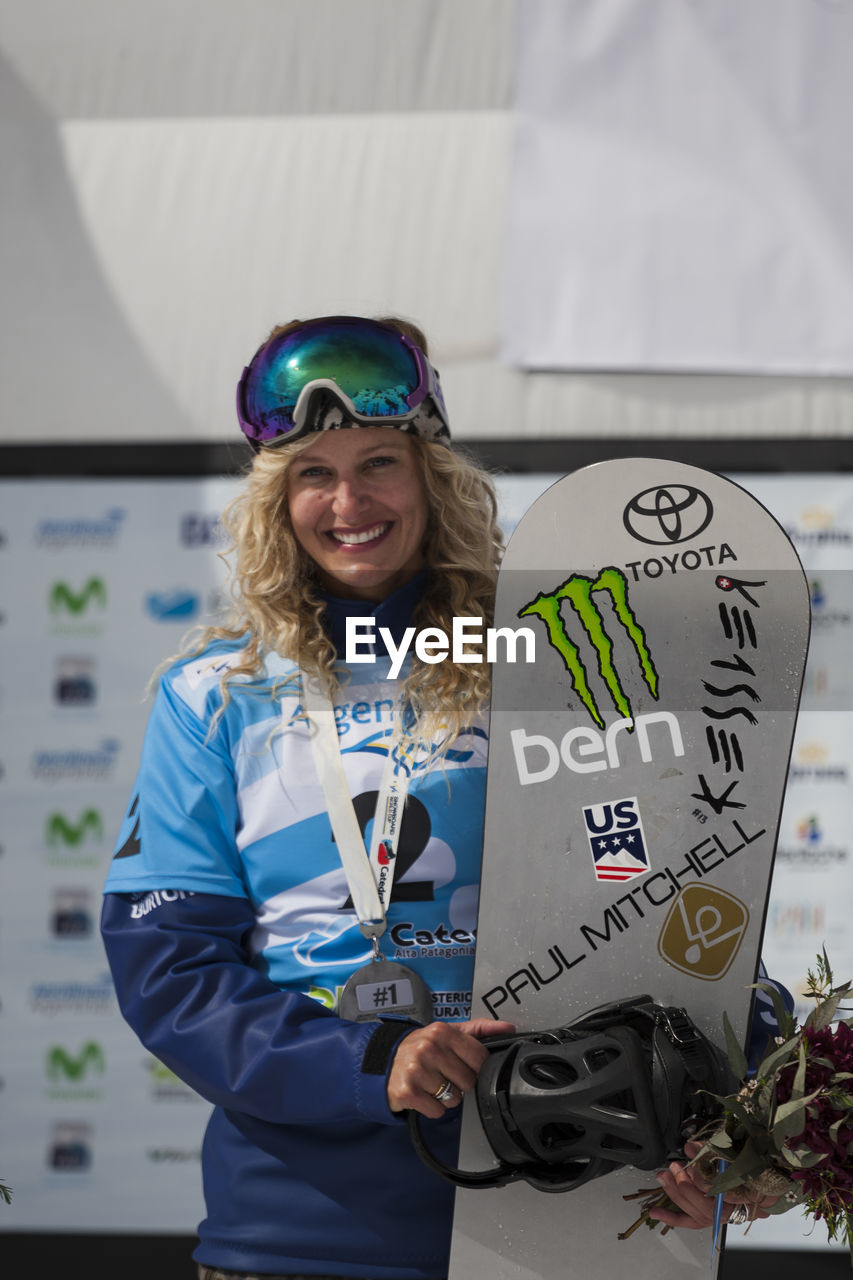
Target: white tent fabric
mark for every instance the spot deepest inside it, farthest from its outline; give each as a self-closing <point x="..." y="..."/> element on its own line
<point x="677" y="200"/>
<point x="185" y="176"/>
<point x="178" y="177"/>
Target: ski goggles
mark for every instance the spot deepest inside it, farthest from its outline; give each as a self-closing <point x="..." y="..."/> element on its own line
<point x="369" y="373"/>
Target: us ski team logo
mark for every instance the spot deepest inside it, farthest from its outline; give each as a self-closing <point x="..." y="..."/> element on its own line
<point x="616" y="839"/>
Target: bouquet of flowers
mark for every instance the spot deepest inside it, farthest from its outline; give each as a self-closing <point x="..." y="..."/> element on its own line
<point x="788" y="1130"/>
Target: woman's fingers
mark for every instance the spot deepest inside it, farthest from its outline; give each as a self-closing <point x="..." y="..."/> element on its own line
<point x="482" y="1028"/>
<point x="694" y="1206"/>
<point x="442" y="1058"/>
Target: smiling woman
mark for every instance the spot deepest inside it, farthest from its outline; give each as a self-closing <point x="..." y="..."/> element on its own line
<point x="309" y="824"/>
<point x="338" y="508"/>
<point x="291" y="912"/>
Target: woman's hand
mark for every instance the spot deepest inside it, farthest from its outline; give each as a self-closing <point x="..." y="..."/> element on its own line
<point x="442" y="1053"/>
<point x="694" y="1206"/>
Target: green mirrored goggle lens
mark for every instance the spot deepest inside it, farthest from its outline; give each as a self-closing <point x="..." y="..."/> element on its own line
<point x="371" y="365"/>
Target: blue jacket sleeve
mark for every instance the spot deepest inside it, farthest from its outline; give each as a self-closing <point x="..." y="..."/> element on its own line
<point x="185" y="985"/>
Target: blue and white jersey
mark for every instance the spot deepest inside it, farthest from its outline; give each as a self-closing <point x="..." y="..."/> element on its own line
<point x="241" y="812"/>
<point x="229" y="932"/>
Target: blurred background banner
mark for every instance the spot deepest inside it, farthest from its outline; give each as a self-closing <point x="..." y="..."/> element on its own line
<point x="676" y="199"/>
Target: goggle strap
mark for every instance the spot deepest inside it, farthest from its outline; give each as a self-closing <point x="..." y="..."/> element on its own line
<point x="302" y="408"/>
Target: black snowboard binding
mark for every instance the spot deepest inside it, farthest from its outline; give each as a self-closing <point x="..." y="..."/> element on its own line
<point x="626" y="1084"/>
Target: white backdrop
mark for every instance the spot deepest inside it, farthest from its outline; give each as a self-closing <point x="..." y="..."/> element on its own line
<point x="676" y="199"/>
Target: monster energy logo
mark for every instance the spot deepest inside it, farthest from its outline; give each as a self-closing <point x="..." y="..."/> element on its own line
<point x="58" y="828"/>
<point x="578" y="592"/>
<point x="62" y="596"/>
<point x="60" y="1062"/>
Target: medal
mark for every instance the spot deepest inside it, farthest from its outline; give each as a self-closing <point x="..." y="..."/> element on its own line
<point x="385" y="987"/>
<point x="381" y="986"/>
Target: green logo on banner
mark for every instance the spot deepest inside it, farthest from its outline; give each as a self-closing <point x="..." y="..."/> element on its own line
<point x="160" y="1072"/>
<point x="64" y="599"/>
<point x="58" y="828"/>
<point x="577" y="591"/>
<point x="59" y="1062"/>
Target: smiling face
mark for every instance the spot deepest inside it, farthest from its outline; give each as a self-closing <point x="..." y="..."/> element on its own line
<point x="358" y="508"/>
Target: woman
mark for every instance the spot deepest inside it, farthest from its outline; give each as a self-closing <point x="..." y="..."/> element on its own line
<point x="279" y="934"/>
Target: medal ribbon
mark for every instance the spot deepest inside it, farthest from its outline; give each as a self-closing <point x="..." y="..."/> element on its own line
<point x="370" y="874"/>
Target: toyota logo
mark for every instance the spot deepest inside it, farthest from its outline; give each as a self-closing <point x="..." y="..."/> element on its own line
<point x="668" y="513"/>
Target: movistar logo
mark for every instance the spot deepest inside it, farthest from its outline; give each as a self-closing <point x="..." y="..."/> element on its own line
<point x="63" y="598"/>
<point x="59" y="1062"/>
<point x="58" y="828"/>
<point x="578" y="591"/>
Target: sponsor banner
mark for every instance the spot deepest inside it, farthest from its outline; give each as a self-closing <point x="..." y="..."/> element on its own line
<point x="100" y="582"/>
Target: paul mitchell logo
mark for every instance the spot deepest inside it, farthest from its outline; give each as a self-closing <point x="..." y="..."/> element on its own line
<point x="666" y="514"/>
<point x="703" y="931"/>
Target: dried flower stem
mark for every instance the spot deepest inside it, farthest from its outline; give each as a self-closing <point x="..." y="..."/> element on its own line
<point x="656" y="1199"/>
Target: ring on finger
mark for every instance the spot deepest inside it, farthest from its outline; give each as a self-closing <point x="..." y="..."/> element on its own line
<point x="444" y="1093"/>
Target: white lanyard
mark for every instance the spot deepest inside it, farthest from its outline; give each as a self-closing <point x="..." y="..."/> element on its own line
<point x="370" y="875"/>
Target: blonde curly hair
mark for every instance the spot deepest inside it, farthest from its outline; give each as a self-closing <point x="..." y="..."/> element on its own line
<point x="276" y="596"/>
<point x="277" y="601"/>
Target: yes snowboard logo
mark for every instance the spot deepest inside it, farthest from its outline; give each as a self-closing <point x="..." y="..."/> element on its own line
<point x="703" y="931"/>
<point x="616" y="839"/>
<point x="577" y="592"/>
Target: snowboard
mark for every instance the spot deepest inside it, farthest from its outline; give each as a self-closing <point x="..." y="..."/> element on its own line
<point x="643" y="711"/>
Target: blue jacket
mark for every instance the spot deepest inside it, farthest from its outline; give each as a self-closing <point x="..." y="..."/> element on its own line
<point x="228" y="928"/>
